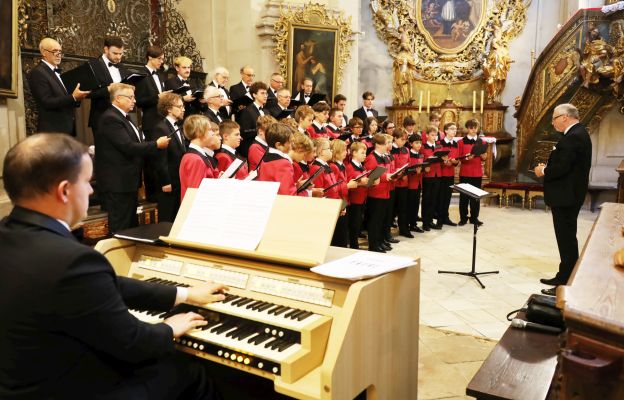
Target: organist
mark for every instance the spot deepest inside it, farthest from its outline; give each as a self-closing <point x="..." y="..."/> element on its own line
<point x="66" y="329"/>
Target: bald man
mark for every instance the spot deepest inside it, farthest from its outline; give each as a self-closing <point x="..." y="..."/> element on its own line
<point x="56" y="103"/>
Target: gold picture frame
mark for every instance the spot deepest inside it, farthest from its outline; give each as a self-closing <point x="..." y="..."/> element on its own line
<point x="9" y="47"/>
<point x="311" y="42"/>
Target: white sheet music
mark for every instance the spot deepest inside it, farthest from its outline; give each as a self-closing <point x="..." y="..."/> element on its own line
<point x="362" y="265"/>
<point x="230" y="213"/>
<point x="472" y="189"/>
<point x="231" y="170"/>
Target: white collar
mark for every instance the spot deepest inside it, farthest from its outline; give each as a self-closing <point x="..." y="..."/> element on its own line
<point x="431" y="144"/>
<point x="414" y="152"/>
<point x="356" y="163"/>
<point x="258" y="106"/>
<point x="317" y="125"/>
<point x="471" y="137"/>
<point x="261" y="141"/>
<point x="280" y="153"/>
<point x="65" y="224"/>
<point x="228" y="148"/>
<point x="321" y="162"/>
<point x="106" y="61"/>
<point x="202" y="150"/>
<point x="171" y="120"/>
<point x="332" y="125"/>
<point x="566" y="131"/>
<point x="184" y="79"/>
<point x="150" y="69"/>
<point x="301" y="129"/>
<point x="52" y="67"/>
<point x="125" y="114"/>
<point x="380" y="155"/>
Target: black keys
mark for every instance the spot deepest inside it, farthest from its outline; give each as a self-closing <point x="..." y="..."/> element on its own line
<point x="265" y="306"/>
<point x="278" y="312"/>
<point x="304" y="315"/>
<point x="229" y="297"/>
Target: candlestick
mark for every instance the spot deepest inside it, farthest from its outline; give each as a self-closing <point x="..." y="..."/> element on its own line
<point x="420" y="102"/>
<point x="482" y="102"/>
<point x="474" y="101"/>
<point x="428" y="100"/>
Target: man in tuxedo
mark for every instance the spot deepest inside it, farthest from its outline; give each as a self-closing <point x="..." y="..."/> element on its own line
<point x="242" y="88"/>
<point x="214" y="100"/>
<point x="340" y="102"/>
<point x="366" y="110"/>
<point x="283" y="101"/>
<point x="148" y="91"/>
<point x="566" y="178"/>
<point x="168" y="160"/>
<point x="55" y="103"/>
<point x="220" y="77"/>
<point x="305" y="92"/>
<point x="249" y="116"/>
<point x="66" y="331"/>
<point x="120" y="149"/>
<point x="275" y="84"/>
<point x="183" y="68"/>
<point x="108" y="69"/>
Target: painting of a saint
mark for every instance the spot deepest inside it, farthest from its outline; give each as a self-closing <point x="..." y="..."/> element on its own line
<point x="450" y="24"/>
<point x="313" y="57"/>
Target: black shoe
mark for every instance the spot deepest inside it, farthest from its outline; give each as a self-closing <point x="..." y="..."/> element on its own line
<point x="552" y="281"/>
<point x="426" y="228"/>
<point x="462" y="222"/>
<point x="394" y="225"/>
<point x="436" y="226"/>
<point x="550" y="292"/>
<point x="479" y="223"/>
<point x="377" y="250"/>
<point x="406" y="234"/>
<point x="390" y="239"/>
<point x="449" y="222"/>
<point x="385" y="246"/>
<point x="418" y="219"/>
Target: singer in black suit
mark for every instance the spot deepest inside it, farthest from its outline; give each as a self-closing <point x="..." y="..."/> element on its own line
<point x="566" y="178"/>
<point x="362" y="112"/>
<point x="242" y="88"/>
<point x="66" y="332"/>
<point x="219" y="77"/>
<point x="249" y="116"/>
<point x="107" y="69"/>
<point x="214" y="99"/>
<point x="183" y="78"/>
<point x="276" y="83"/>
<point x="168" y="160"/>
<point x="120" y="149"/>
<point x="56" y="104"/>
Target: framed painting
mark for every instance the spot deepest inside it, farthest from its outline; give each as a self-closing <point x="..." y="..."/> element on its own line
<point x="311" y="43"/>
<point x="450" y="25"/>
<point x="9" y="46"/>
<point x="312" y="54"/>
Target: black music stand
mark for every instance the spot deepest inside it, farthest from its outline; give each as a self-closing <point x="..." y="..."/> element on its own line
<point x="471" y="191"/>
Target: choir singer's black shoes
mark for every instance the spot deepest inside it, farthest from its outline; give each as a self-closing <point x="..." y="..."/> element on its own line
<point x="436" y="226"/>
<point x="390" y="239"/>
<point x="406" y="234"/>
<point x="377" y="250"/>
<point x="552" y="281"/>
<point x="415" y="228"/>
<point x="479" y="223"/>
<point x="449" y="222"/>
<point x="385" y="246"/>
<point x="550" y="292"/>
<point x="463" y="221"/>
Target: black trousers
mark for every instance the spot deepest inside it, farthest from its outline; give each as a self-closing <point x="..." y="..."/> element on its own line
<point x="431" y="198"/>
<point x="341" y="232"/>
<point x="413" y="205"/>
<point x="121" y="208"/>
<point x="401" y="208"/>
<point x="376" y="211"/>
<point x="565" y="221"/>
<point x="475" y="205"/>
<point x="168" y="205"/>
<point x="354" y="216"/>
<point x="389" y="214"/>
<point x="445" y="197"/>
<point x="177" y="376"/>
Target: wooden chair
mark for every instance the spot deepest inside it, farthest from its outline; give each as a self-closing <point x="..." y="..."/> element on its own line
<point x="499" y="189"/>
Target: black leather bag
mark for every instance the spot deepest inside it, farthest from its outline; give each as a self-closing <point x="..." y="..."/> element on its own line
<point x="542" y="310"/>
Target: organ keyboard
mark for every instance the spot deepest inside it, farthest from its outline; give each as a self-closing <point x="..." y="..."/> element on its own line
<point x="315" y="337"/>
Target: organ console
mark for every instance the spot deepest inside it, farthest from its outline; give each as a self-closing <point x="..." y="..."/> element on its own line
<point x="315" y="337"/>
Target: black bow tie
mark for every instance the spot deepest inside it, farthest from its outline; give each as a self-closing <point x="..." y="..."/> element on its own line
<point x="221" y="87"/>
<point x="110" y="64"/>
<point x="306" y="95"/>
<point x="128" y="117"/>
<point x="154" y="72"/>
<point x="184" y="82"/>
<point x="58" y="70"/>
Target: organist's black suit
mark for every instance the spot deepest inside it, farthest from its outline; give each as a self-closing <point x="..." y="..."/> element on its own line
<point x="566" y="178"/>
<point x="119" y="157"/>
<point x="66" y="332"/>
<point x="100" y="99"/>
<point x="55" y="106"/>
<point x="248" y="120"/>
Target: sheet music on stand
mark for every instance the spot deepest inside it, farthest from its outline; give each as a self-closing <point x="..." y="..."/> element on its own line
<point x="362" y="265"/>
<point x="222" y="214"/>
<point x="471" y="190"/>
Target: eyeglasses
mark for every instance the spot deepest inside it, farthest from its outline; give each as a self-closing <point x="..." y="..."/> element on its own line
<point x="55" y="52"/>
<point x="557" y="116"/>
<point x="125" y="95"/>
<point x="276" y="81"/>
<point x="250" y="75"/>
<point x="178" y="105"/>
<point x="390" y="127"/>
<point x="284" y="96"/>
<point x="220" y="96"/>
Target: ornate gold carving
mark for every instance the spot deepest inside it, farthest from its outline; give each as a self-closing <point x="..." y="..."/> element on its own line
<point x="314" y="16"/>
<point x="398" y="25"/>
<point x="110" y="4"/>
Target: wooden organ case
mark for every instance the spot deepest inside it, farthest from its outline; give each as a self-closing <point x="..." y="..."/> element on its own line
<point x="347" y="336"/>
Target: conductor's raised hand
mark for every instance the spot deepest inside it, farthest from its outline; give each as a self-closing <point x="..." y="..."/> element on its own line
<point x="206" y="293"/>
<point x="79" y="94"/>
<point x="182" y="323"/>
<point x="162" y="142"/>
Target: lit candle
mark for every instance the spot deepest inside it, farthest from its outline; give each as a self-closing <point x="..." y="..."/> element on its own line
<point x="428" y="100"/>
<point x="482" y="102"/>
<point x="420" y="102"/>
<point x="474" y="101"/>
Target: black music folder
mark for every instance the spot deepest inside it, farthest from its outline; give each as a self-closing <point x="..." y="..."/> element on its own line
<point x="82" y="74"/>
<point x="376" y="173"/>
<point x="181" y="90"/>
<point x="241" y="102"/>
<point x="478" y="149"/>
<point x="149" y="233"/>
<point x="285" y="113"/>
<point x="295" y="103"/>
<point x="316" y="98"/>
<point x="441" y="153"/>
<point x="309" y="181"/>
<point x="133" y="79"/>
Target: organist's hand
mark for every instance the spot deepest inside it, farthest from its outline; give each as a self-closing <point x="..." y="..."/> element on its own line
<point x="206" y="293"/>
<point x="182" y="323"/>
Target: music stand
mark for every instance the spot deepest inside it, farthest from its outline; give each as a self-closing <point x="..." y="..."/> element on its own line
<point x="476" y="194"/>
